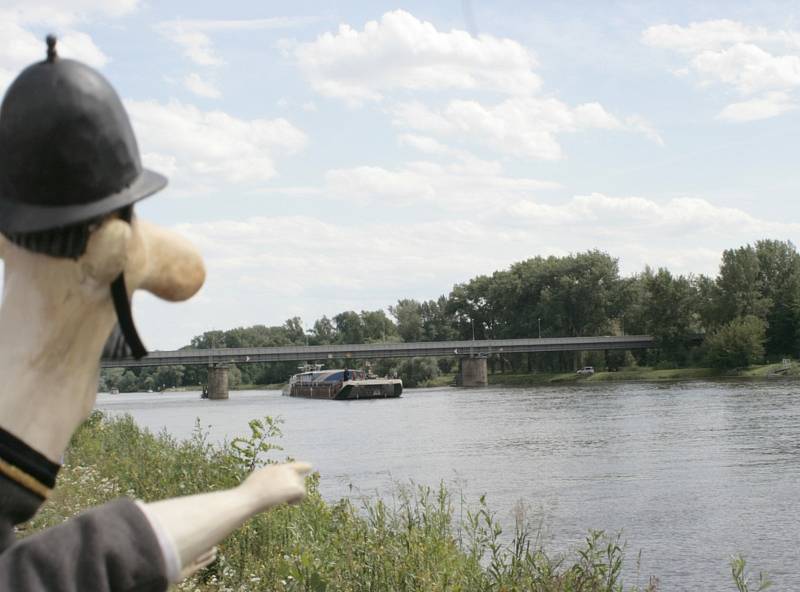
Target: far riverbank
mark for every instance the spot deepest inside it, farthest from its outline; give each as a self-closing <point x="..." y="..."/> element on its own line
<point x="635" y="373"/>
<point x="628" y="374"/>
<point x="649" y="374"/>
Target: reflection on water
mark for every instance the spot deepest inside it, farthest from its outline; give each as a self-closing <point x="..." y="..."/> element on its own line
<point x="691" y="473"/>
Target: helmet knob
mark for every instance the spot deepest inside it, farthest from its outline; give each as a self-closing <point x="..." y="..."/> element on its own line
<point x="51" y="48"/>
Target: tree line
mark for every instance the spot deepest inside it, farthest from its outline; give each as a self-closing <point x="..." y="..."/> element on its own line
<point x="748" y="313"/>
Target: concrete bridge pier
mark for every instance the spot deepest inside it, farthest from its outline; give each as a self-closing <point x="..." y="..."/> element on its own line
<point x="218" y="381"/>
<point x="473" y="372"/>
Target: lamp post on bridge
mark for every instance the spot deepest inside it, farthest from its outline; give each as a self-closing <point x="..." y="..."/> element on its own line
<point x="539" y="322"/>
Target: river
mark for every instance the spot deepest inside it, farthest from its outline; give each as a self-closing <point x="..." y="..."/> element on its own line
<point x="690" y="473"/>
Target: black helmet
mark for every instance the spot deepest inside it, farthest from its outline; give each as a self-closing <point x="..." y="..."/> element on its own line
<point x="67" y="150"/>
<point x="68" y="157"/>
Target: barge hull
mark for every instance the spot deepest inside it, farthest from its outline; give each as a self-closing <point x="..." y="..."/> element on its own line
<point x="348" y="391"/>
<point x="351" y="392"/>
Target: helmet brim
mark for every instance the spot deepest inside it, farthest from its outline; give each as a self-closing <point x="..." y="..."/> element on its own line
<point x="20" y="218"/>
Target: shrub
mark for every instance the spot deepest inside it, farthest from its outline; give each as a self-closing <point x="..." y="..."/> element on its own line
<point x="738" y="343"/>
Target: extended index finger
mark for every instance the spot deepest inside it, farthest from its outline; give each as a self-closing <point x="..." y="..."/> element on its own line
<point x="303" y="468"/>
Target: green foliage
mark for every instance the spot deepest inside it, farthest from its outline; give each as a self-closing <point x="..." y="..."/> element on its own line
<point x="779" y="276"/>
<point x="742" y="580"/>
<point x="668" y="313"/>
<point x="417" y="371"/>
<point x="737" y="344"/>
<point x="324" y="332"/>
<point x="741" y="283"/>
<point x="408" y="314"/>
<point x="251" y="452"/>
<point x="412" y="542"/>
<point x="579" y="294"/>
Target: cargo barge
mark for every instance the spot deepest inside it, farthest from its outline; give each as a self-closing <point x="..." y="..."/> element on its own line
<point x="342" y="385"/>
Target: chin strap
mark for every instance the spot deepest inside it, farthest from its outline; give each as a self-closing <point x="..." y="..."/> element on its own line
<point x="122" y="306"/>
<point x="70" y="242"/>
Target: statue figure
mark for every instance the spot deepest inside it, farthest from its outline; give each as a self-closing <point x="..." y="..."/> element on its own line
<point x="74" y="252"/>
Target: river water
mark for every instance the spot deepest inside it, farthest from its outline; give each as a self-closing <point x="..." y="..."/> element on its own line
<point x="690" y="473"/>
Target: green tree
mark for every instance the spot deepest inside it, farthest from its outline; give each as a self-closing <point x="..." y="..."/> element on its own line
<point x="740" y="282"/>
<point x="129" y="382"/>
<point x="376" y="326"/>
<point x="323" y="332"/>
<point x="408" y="314"/>
<point x="349" y="328"/>
<point x="779" y="278"/>
<point x="416" y="371"/>
<point x="437" y="323"/>
<point x="295" y="333"/>
<point x="168" y="377"/>
<point x="668" y="308"/>
<point x="738" y="343"/>
<point x="209" y="340"/>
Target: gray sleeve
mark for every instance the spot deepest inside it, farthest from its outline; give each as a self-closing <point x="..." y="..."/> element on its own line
<point x="109" y="548"/>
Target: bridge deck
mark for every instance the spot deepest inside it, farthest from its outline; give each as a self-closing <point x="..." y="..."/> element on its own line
<point x="312" y="353"/>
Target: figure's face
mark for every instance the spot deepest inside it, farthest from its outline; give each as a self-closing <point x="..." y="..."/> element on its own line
<point x="57" y="314"/>
<point x="152" y="258"/>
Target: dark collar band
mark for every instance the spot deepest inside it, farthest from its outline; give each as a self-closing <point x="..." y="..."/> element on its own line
<point x="25" y="466"/>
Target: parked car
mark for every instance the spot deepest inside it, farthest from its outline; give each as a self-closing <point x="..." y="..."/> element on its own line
<point x="586" y="371"/>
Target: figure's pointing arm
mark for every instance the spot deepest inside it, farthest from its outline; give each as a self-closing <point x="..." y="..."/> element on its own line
<point x="195" y="523"/>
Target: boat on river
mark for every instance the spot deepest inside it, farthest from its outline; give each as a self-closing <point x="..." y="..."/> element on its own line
<point x="341" y="385"/>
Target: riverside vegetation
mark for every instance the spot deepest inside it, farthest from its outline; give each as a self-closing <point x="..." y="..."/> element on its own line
<point x="422" y="539"/>
<point x="748" y="314"/>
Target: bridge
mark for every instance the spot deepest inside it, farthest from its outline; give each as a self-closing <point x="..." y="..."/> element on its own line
<point x="472" y="354"/>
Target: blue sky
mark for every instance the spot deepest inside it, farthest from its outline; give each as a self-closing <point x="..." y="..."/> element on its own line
<point x="331" y="158"/>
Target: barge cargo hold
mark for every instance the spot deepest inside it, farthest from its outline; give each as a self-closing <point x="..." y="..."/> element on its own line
<point x="342" y="385"/>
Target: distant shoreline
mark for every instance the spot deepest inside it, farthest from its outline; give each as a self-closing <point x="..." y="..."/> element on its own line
<point x="647" y="374"/>
<point x="633" y="374"/>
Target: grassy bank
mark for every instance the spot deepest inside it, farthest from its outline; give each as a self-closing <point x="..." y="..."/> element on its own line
<point x="413" y="542"/>
<point x="643" y="373"/>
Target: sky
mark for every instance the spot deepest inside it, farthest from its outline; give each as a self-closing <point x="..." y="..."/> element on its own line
<point x="329" y="158"/>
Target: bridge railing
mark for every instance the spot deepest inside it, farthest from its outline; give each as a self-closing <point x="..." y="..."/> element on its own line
<point x="309" y="353"/>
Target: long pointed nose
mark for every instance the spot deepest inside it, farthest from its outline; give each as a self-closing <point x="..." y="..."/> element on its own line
<point x="174" y="269"/>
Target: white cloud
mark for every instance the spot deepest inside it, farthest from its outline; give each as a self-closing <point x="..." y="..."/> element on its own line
<point x="280" y="260"/>
<point x="749" y="68"/>
<point x="458" y="161"/>
<point x="748" y="59"/>
<point x="255" y="24"/>
<point x="19" y="48"/>
<point x="298" y="264"/>
<point x="523" y="126"/>
<point x="401" y="52"/>
<point x="60" y="13"/>
<point x="211" y="147"/>
<point x="192" y="34"/>
<point x="196" y="45"/>
<point x="770" y="105"/>
<point x="79" y="46"/>
<point x="426" y="144"/>
<point x="639" y="218"/>
<point x="710" y="35"/>
<point x="201" y="87"/>
<point x="463" y="183"/>
<point x="402" y="57"/>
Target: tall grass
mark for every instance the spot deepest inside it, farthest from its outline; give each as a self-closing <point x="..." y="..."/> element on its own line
<point x="411" y="542"/>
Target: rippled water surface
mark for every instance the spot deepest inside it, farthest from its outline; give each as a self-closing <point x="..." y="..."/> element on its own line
<point x="691" y="473"/>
